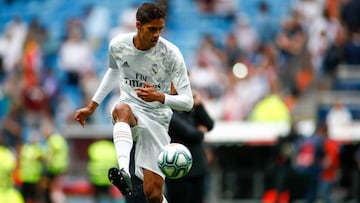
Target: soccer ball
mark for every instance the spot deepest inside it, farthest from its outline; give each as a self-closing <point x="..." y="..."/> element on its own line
<point x="175" y="160"/>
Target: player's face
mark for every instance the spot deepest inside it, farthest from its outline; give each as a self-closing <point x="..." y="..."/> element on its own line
<point x="148" y="34"/>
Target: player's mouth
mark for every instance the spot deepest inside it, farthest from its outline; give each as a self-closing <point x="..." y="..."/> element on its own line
<point x="154" y="41"/>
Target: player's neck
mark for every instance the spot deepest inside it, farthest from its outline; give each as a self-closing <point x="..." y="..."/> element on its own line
<point x="138" y="45"/>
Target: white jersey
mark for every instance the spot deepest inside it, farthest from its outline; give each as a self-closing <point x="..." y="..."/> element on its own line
<point x="159" y="66"/>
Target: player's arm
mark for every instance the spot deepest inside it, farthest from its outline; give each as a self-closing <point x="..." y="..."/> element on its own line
<point x="202" y="118"/>
<point x="106" y="85"/>
<point x="181" y="129"/>
<point x="111" y="77"/>
<point x="182" y="101"/>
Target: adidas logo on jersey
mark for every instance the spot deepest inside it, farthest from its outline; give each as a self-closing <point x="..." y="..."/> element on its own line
<point x="125" y="65"/>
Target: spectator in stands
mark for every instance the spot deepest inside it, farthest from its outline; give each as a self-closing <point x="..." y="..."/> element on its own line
<point x="56" y="156"/>
<point x="126" y="22"/>
<point x="97" y="24"/>
<point x="37" y="32"/>
<point x="8" y="193"/>
<point x="338" y="115"/>
<point x="333" y="8"/>
<point x="352" y="48"/>
<point x="11" y="195"/>
<point x="330" y="166"/>
<point x="335" y="54"/>
<point x="271" y="108"/>
<point x="207" y="74"/>
<point x="257" y="85"/>
<point x="291" y="43"/>
<point x="189" y="128"/>
<point x="310" y="10"/>
<point x="11" y="44"/>
<point x="7" y="166"/>
<point x="246" y="36"/>
<point x="350" y="15"/>
<point x="232" y="52"/>
<point x="264" y="23"/>
<point x="214" y="105"/>
<point x="318" y="42"/>
<point x="30" y="166"/>
<point x="11" y="127"/>
<point x="268" y="64"/>
<point x="75" y="55"/>
<point x="232" y="107"/>
<point x="281" y="171"/>
<point x="32" y="60"/>
<point x="308" y="159"/>
<point x="206" y="6"/>
<point x="241" y="94"/>
<point x="226" y="9"/>
<point x="102" y="156"/>
<point x="51" y="89"/>
<point x="35" y="104"/>
<point x="12" y="87"/>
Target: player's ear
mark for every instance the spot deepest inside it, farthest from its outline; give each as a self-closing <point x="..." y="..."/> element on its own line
<point x="138" y="25"/>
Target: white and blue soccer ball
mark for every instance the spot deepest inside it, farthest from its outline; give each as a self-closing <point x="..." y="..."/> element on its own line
<point x="175" y="160"/>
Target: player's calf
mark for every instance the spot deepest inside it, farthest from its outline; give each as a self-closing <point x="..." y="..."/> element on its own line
<point x="153" y="187"/>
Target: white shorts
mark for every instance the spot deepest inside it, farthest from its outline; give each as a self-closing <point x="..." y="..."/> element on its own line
<point x="151" y="135"/>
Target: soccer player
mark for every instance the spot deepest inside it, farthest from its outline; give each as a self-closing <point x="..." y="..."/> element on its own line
<point x="144" y="65"/>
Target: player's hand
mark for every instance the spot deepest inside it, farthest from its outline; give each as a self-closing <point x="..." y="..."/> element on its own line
<point x="149" y="93"/>
<point x="81" y="114"/>
<point x="203" y="128"/>
<point x="196" y="97"/>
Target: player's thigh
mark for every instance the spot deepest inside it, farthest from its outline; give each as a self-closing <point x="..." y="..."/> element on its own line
<point x="153" y="183"/>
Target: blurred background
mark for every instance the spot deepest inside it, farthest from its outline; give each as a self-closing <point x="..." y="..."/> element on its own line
<point x="270" y="72"/>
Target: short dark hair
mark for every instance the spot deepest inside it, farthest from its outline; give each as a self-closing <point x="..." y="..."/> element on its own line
<point x="148" y="12"/>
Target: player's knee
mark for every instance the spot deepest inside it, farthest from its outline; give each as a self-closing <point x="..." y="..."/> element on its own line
<point x="122" y="113"/>
<point x="122" y="110"/>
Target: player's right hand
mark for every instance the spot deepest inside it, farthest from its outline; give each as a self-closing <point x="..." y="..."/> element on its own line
<point x="81" y="115"/>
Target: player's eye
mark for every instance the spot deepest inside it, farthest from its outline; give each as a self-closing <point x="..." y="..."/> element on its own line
<point x="155" y="29"/>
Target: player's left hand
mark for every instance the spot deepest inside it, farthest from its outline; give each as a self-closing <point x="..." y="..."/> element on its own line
<point x="149" y="93"/>
<point x="196" y="97"/>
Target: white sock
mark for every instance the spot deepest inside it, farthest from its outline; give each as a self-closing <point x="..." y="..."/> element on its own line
<point x="123" y="143"/>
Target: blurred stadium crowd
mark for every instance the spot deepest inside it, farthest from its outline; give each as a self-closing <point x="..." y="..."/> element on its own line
<point x="251" y="60"/>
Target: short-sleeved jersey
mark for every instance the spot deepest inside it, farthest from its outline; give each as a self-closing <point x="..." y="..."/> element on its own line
<point x="159" y="66"/>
